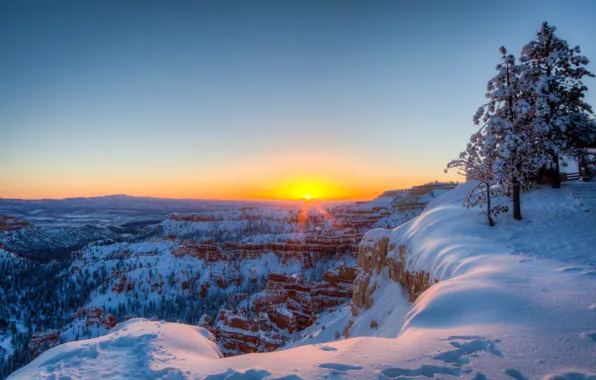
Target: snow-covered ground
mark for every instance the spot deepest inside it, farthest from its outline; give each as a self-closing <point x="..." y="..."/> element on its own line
<point x="137" y="349"/>
<point x="514" y="301"/>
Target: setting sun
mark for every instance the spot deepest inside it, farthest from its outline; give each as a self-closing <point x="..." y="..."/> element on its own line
<point x="307" y="197"/>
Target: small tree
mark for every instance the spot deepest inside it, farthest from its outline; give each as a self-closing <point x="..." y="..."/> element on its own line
<point x="551" y="75"/>
<point x="475" y="165"/>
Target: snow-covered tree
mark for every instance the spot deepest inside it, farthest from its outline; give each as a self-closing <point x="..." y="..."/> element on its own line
<point x="475" y="166"/>
<point x="551" y="76"/>
<point x="535" y="112"/>
<point x="508" y="136"/>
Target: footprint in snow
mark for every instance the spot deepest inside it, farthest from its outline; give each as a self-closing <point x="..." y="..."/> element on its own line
<point x="466" y="349"/>
<point x="327" y="348"/>
<point x="572" y="376"/>
<point x="572" y="269"/>
<point x="340" y="367"/>
<point x="256" y="374"/>
<point x="526" y="260"/>
<point x="515" y="374"/>
<point x="424" y="370"/>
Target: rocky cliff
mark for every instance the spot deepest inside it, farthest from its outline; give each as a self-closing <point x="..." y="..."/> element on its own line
<point x="289" y="304"/>
<point x="376" y="265"/>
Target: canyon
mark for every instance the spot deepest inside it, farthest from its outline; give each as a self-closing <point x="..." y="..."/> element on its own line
<point x="258" y="277"/>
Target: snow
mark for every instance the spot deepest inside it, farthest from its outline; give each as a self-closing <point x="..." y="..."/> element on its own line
<point x="389" y="314"/>
<point x="137" y="349"/>
<point x="328" y="327"/>
<point x="456" y="194"/>
<point x="381" y="201"/>
<point x="6" y="344"/>
<point x="164" y="264"/>
<point x="517" y="300"/>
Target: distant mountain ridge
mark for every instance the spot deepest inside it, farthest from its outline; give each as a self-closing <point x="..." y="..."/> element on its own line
<point x="120" y="201"/>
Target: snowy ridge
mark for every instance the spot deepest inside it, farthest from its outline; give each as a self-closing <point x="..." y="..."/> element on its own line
<point x="508" y="304"/>
<point x="137" y="349"/>
<point x="47" y="242"/>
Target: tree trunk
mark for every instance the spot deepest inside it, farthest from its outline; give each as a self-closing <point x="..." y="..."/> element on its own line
<point x="516" y="201"/>
<point x="557" y="175"/>
<point x="491" y="222"/>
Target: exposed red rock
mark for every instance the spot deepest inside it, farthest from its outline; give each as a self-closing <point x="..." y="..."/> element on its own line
<point x="239" y="334"/>
<point x="206" y="322"/>
<point x="123" y="284"/>
<point x="11" y="223"/>
<point x="371" y="261"/>
<point x="287" y="305"/>
<point x="308" y="251"/>
<point x="43" y="341"/>
<point x="204" y="288"/>
<point x="95" y="316"/>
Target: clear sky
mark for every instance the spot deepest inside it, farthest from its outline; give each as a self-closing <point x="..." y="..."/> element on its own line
<point x="249" y="99"/>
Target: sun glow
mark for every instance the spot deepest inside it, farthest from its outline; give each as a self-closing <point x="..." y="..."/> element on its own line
<point x="312" y="189"/>
<point x="305" y="189"/>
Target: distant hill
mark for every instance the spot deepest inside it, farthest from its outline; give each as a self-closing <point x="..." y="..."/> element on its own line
<point x="120" y="201"/>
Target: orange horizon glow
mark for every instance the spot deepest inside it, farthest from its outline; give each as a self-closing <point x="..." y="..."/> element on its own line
<point x="282" y="194"/>
<point x="290" y="190"/>
<point x="280" y="177"/>
<point x="293" y="191"/>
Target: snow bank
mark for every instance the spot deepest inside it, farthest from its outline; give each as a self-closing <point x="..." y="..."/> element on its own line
<point x="524" y="292"/>
<point x="138" y="349"/>
<point x="454" y="195"/>
<point x="516" y="301"/>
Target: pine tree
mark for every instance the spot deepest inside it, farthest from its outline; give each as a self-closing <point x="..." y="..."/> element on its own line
<point x="507" y="135"/>
<point x="552" y="74"/>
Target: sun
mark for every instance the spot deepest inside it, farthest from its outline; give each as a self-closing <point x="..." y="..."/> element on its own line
<point x="305" y="189"/>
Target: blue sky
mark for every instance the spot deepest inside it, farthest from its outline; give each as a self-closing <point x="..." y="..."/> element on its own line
<point x="235" y="99"/>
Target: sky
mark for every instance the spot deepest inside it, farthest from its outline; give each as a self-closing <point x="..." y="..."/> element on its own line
<point x="251" y="100"/>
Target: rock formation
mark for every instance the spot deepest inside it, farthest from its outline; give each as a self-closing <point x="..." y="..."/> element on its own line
<point x="373" y="258"/>
<point x="288" y="304"/>
<point x="11" y="223"/>
<point x="43" y="341"/>
<point x="95" y="317"/>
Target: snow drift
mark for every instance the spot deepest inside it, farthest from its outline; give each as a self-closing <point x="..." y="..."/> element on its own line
<point x="138" y="349"/>
<point x="514" y="301"/>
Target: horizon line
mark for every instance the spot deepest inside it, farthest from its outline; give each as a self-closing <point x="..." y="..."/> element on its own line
<point x="320" y="199"/>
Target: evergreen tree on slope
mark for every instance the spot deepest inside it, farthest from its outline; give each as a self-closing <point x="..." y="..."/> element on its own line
<point x="552" y="74"/>
<point x="508" y="136"/>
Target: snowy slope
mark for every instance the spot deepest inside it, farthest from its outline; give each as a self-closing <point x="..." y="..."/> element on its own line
<point x="51" y="242"/>
<point x="148" y="276"/>
<point x="514" y="301"/>
<point x="138" y="349"/>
